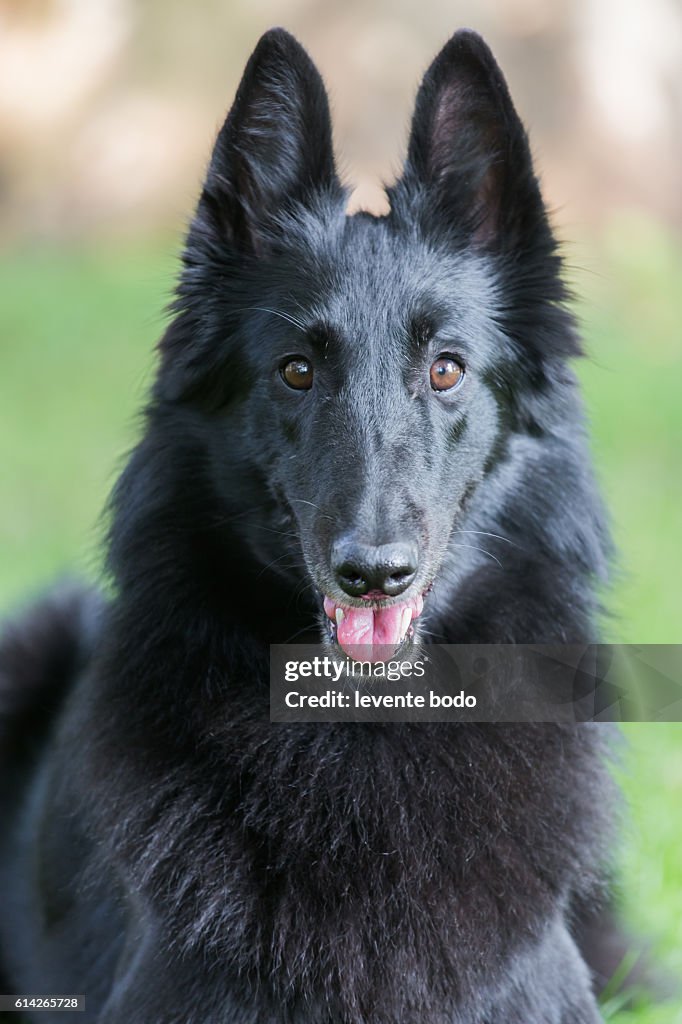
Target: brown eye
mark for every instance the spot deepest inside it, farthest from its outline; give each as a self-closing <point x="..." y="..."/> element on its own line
<point x="298" y="374"/>
<point x="446" y="373"/>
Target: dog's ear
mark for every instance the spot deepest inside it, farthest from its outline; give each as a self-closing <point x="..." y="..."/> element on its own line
<point x="274" y="149"/>
<point x="468" y="150"/>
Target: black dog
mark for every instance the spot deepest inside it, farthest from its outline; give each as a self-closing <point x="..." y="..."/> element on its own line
<point x="363" y="429"/>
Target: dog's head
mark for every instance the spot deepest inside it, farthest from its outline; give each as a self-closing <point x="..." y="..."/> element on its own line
<point x="357" y="378"/>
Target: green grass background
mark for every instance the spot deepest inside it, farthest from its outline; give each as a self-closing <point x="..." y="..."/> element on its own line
<point x="77" y="332"/>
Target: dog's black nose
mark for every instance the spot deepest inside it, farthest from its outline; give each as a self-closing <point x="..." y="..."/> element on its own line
<point x="361" y="569"/>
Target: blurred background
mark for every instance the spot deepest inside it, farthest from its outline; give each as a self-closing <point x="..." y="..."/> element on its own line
<point x="108" y="109"/>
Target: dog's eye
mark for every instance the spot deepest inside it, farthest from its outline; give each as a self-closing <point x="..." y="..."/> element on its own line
<point x="298" y="373"/>
<point x="446" y="373"/>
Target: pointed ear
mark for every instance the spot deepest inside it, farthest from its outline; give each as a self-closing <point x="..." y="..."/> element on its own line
<point x="274" y="149"/>
<point x="468" y="149"/>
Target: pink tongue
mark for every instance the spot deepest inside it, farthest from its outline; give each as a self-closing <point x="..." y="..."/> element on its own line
<point x="364" y="629"/>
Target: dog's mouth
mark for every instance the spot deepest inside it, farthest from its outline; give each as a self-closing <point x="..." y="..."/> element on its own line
<point x="370" y="632"/>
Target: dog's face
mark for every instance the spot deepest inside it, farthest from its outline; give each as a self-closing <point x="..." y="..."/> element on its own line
<point x="358" y="376"/>
<point x="372" y="413"/>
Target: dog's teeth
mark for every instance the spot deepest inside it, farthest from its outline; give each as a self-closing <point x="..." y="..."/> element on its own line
<point x="405" y="622"/>
<point x="339" y="616"/>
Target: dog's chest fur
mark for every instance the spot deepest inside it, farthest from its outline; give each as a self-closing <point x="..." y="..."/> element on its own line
<point x="339" y="863"/>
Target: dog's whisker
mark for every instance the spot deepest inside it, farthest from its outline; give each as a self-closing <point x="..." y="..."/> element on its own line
<point x="276" y="561"/>
<point x="288" y="534"/>
<point x="472" y="547"/>
<point x="304" y="501"/>
<point x="226" y="520"/>
<point x="485" y="533"/>
<point x="294" y="321"/>
<point x="291" y="534"/>
<point x="300" y="590"/>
